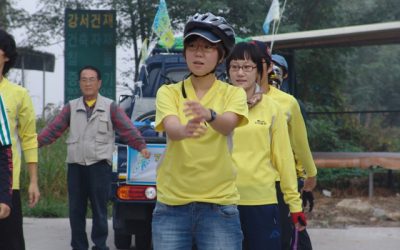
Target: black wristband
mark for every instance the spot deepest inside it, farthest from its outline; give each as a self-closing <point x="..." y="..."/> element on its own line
<point x="213" y="116"/>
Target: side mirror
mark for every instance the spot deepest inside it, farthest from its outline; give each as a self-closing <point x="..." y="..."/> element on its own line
<point x="127" y="103"/>
<point x="123" y="98"/>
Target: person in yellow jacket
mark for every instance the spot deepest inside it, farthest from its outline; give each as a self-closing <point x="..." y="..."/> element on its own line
<point x="196" y="179"/>
<point x="22" y="121"/>
<point x="305" y="166"/>
<point x="262" y="153"/>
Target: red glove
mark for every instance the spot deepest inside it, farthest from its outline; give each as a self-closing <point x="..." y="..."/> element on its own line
<point x="299" y="217"/>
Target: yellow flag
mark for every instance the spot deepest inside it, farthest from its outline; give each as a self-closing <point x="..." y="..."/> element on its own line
<point x="162" y="26"/>
<point x="144" y="51"/>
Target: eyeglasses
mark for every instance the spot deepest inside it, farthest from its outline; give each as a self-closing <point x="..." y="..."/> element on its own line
<point x="206" y="48"/>
<point x="245" y="68"/>
<point x="88" y="80"/>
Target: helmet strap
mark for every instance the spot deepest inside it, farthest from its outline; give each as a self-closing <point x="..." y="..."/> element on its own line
<point x="209" y="73"/>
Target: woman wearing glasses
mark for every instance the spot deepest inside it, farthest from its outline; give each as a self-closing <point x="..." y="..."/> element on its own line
<point x="261" y="152"/>
<point x="196" y="191"/>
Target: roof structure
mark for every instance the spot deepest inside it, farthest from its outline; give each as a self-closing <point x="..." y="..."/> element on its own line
<point x="360" y="35"/>
<point x="30" y="59"/>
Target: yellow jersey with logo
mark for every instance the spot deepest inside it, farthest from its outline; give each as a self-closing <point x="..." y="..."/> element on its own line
<point x="200" y="169"/>
<point x="262" y="153"/>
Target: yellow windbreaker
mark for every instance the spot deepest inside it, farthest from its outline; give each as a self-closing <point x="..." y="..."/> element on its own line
<point x="262" y="152"/>
<point x="297" y="132"/>
<point x="21" y="116"/>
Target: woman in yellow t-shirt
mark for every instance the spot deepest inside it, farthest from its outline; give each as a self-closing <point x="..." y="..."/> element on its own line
<point x="196" y="191"/>
<point x="262" y="153"/>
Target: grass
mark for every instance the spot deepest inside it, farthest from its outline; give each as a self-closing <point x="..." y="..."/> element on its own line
<point x="52" y="180"/>
<point x="52" y="173"/>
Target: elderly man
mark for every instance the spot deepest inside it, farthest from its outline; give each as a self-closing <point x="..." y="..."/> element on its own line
<point x="92" y="120"/>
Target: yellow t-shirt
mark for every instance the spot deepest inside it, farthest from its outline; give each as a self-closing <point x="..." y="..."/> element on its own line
<point x="198" y="169"/>
<point x="262" y="152"/>
<point x="21" y="117"/>
<point x="297" y="132"/>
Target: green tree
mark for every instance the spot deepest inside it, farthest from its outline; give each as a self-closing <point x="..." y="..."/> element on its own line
<point x="46" y="26"/>
<point x="10" y="17"/>
<point x="3" y="10"/>
<point x="134" y="24"/>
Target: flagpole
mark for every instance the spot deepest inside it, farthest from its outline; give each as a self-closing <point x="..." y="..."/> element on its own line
<point x="277" y="26"/>
<point x="280" y="15"/>
<point x="273" y="35"/>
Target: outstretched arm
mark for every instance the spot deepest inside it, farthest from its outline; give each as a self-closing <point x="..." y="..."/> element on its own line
<point x="128" y="133"/>
<point x="224" y="123"/>
<point x="176" y="131"/>
<point x="33" y="190"/>
<point x="56" y="128"/>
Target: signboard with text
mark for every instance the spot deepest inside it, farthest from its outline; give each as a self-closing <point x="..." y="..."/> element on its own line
<point x="90" y="39"/>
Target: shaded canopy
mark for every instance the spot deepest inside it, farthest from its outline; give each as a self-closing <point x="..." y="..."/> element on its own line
<point x="30" y="59"/>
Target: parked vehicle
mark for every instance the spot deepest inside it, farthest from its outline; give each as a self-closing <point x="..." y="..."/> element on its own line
<point x="134" y="199"/>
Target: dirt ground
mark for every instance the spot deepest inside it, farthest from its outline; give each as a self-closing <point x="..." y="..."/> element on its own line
<point x="349" y="208"/>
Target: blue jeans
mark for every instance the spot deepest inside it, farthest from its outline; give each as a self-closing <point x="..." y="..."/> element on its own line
<point x="261" y="228"/>
<point x="89" y="183"/>
<point x="208" y="226"/>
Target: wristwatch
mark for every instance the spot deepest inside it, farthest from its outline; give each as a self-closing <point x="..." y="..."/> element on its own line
<point x="213" y="116"/>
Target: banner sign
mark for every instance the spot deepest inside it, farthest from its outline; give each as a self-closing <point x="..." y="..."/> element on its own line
<point x="90" y="39"/>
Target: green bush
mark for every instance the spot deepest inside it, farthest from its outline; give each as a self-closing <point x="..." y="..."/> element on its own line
<point x="52" y="180"/>
<point x="339" y="177"/>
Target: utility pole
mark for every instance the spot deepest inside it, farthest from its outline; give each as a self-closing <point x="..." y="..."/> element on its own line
<point x="44" y="87"/>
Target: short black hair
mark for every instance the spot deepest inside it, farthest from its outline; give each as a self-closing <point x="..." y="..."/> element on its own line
<point x="8" y="46"/>
<point x="91" y="68"/>
<point x="246" y="51"/>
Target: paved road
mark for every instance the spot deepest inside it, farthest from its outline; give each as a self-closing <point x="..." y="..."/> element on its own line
<point x="50" y="234"/>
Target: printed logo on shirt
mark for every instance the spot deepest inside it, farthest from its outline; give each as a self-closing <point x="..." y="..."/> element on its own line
<point x="260" y="122"/>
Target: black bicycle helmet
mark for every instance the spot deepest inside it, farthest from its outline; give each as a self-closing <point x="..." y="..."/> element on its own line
<point x="213" y="28"/>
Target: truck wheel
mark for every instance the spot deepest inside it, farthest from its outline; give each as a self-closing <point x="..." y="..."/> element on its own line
<point x="122" y="241"/>
<point x="143" y="241"/>
<point x="151" y="115"/>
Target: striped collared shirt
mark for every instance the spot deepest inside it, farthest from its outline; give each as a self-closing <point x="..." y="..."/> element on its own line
<point x="5" y="137"/>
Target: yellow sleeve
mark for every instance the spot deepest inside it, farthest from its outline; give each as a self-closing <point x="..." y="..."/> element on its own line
<point x="166" y="104"/>
<point x="237" y="103"/>
<point x="31" y="155"/>
<point x="27" y="128"/>
<point x="299" y="142"/>
<point x="282" y="159"/>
